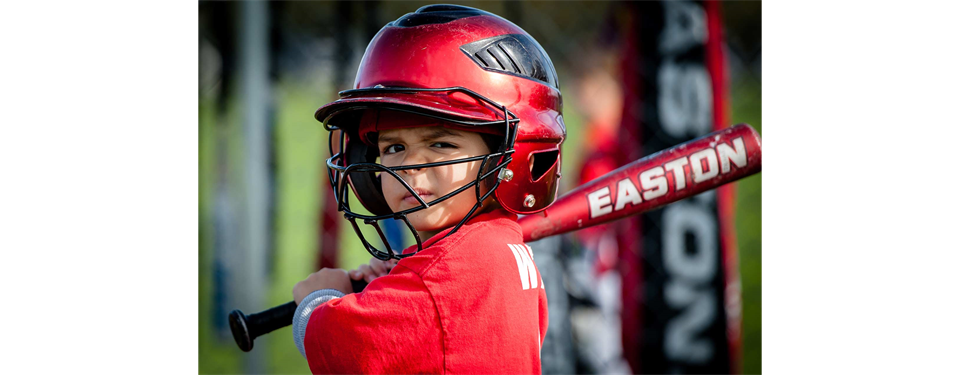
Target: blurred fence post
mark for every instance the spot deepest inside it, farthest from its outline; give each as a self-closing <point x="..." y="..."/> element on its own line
<point x="250" y="282"/>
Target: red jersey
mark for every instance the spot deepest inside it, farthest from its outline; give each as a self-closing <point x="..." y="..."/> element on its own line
<point x="470" y="303"/>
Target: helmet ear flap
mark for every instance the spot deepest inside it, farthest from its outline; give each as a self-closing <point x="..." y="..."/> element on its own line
<point x="366" y="185"/>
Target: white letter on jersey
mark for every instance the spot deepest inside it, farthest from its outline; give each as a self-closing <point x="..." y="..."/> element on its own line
<point x="536" y="271"/>
<point x="528" y="271"/>
<point x="696" y="165"/>
<point x="599" y="202"/>
<point x="739" y="157"/>
<point x="626" y="193"/>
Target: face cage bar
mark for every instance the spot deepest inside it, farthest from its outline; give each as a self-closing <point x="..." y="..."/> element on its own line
<point x="510" y="122"/>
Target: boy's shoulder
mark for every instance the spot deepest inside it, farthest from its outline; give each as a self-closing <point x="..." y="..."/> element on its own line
<point x="487" y="232"/>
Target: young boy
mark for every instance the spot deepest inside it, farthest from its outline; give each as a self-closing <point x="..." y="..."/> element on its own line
<point x="453" y="129"/>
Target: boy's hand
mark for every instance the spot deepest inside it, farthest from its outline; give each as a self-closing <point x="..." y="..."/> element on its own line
<point x="327" y="278"/>
<point x="375" y="269"/>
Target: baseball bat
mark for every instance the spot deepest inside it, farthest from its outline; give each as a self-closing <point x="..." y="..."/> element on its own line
<point x="246" y="328"/>
<point x="652" y="182"/>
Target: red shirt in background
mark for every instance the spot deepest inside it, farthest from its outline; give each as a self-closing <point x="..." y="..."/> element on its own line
<point x="470" y="303"/>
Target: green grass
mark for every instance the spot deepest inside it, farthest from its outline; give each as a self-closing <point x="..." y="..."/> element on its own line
<point x="216" y="355"/>
<point x="746" y="103"/>
<point x="300" y="149"/>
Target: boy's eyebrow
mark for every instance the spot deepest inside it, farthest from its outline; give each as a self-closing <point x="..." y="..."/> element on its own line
<point x="386" y="138"/>
<point x="431" y="135"/>
<point x="439" y="133"/>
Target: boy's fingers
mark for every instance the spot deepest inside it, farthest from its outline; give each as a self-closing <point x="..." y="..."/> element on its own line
<point x="388" y="265"/>
<point x="369" y="272"/>
<point x="378" y="267"/>
<point x="363" y="269"/>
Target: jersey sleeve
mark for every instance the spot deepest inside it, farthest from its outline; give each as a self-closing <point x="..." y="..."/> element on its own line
<point x="390" y="327"/>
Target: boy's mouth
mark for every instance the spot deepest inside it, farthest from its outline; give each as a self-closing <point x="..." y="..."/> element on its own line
<point x="423" y="193"/>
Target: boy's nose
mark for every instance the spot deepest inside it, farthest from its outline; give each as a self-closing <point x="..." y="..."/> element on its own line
<point x="410" y="171"/>
<point x="412" y="157"/>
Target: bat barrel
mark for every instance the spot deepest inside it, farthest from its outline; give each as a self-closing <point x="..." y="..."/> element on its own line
<point x="665" y="177"/>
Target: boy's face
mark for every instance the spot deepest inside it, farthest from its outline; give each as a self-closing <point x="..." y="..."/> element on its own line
<point x="421" y="145"/>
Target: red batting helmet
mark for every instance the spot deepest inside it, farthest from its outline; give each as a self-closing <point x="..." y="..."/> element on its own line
<point x="466" y="67"/>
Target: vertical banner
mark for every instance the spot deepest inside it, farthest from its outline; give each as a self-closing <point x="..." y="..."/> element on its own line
<point x="682" y="307"/>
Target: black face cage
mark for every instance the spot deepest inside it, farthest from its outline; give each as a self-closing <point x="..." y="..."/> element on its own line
<point x="338" y="167"/>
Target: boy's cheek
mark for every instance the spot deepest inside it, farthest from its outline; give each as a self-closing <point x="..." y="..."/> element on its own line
<point x="391" y="188"/>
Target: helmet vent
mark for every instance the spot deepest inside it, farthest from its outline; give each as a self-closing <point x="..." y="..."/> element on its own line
<point x="542" y="162"/>
<point x="513" y="54"/>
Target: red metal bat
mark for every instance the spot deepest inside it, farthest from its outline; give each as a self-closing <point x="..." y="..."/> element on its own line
<point x="670" y="175"/>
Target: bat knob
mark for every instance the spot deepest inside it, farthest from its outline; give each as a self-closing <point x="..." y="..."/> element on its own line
<point x="241" y="333"/>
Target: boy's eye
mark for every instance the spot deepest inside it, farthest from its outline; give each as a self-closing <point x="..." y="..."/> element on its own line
<point x="443" y="145"/>
<point x="393" y="149"/>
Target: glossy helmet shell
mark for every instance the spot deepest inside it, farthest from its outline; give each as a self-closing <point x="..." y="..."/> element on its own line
<point x="441" y="46"/>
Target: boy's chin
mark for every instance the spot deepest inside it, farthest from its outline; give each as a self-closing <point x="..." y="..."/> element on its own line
<point x="436" y="218"/>
<point x="426" y="225"/>
<point x="431" y="221"/>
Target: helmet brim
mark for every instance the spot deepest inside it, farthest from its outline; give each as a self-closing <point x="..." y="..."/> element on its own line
<point x="454" y="105"/>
